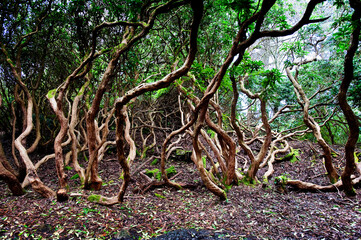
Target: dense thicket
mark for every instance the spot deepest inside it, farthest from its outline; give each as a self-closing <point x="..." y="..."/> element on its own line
<point x="239" y="78"/>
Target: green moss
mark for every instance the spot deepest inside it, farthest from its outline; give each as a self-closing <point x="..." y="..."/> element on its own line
<point x="248" y="181"/>
<point x="51" y="94"/>
<point x="292" y="156"/>
<point x="94" y="198"/>
<point x="155" y="161"/>
<point x="144" y="153"/>
<point x="154" y="173"/>
<point x="137" y="152"/>
<point x="181" y="152"/>
<point x="204" y="159"/>
<point x="119" y="47"/>
<point x="281" y="182"/>
<point x="157" y="174"/>
<point x="145" y="24"/>
<point x="171" y="170"/>
<point x="82" y="89"/>
<point x="356" y="157"/>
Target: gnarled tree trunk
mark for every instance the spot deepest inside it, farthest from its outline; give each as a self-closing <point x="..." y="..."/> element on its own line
<point x="59" y="156"/>
<point x="313" y="125"/>
<point x="7" y="174"/>
<point x="351" y="118"/>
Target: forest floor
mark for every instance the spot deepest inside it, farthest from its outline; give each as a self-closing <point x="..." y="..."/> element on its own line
<point x="251" y="212"/>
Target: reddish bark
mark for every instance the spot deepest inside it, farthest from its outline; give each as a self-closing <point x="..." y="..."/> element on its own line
<point x="350" y="116"/>
<point x="7" y="174"/>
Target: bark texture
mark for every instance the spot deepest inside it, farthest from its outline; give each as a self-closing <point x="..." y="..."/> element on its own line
<point x="304" y="102"/>
<point x="351" y="118"/>
<point x="8" y="176"/>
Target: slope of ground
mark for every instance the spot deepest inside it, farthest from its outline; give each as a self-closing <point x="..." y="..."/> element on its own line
<point x="252" y="212"/>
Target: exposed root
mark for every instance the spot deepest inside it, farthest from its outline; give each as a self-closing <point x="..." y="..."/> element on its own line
<point x="151" y="183"/>
<point x="310" y="187"/>
<point x="101" y="200"/>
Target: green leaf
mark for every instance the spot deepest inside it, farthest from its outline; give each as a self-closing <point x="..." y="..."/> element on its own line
<point x="159" y="195"/>
<point x="75" y="176"/>
<point x="154" y="162"/>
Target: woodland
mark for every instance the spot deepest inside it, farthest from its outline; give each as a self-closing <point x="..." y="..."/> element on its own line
<point x="130" y="119"/>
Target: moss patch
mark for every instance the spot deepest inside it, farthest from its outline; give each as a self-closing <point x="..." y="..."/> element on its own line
<point x="94" y="198"/>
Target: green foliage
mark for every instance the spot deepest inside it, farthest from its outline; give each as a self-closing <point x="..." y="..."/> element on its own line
<point x="111" y="182"/>
<point x="247" y="65"/>
<point x="259" y="79"/>
<point x="355" y="87"/>
<point x="338" y="3"/>
<point x="171" y="170"/>
<point x="65" y="37"/>
<point x="154" y="173"/>
<point x="248" y="181"/>
<point x="202" y="73"/>
<point x="244" y="8"/>
<point x="341" y="37"/>
<point x="298" y="48"/>
<point x="277" y="17"/>
<point x="343" y="25"/>
<point x="225" y="186"/>
<point x="282" y="178"/>
<point x="157" y="174"/>
<point x="263" y="81"/>
<point x="181" y="152"/>
<point x="281" y="182"/>
<point x="154" y="162"/>
<point x="161" y="92"/>
<point x="270" y="78"/>
<point x="68" y="168"/>
<point x="75" y="176"/>
<point x="292" y="156"/>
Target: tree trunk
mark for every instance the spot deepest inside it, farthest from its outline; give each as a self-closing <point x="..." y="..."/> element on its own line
<point x="304" y="102"/>
<point x="8" y="176"/>
<point x="92" y="179"/>
<point x="198" y="157"/>
<point x="331" y="171"/>
<point x="11" y="180"/>
<point x="351" y="118"/>
<point x="58" y="149"/>
<point x="74" y="144"/>
<point x="32" y="175"/>
<point x="120" y="121"/>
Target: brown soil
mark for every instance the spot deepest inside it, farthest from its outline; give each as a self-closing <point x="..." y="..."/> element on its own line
<point x="252" y="212"/>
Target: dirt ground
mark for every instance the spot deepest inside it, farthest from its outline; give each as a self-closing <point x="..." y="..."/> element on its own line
<point x="251" y="212"/>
